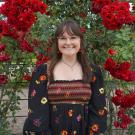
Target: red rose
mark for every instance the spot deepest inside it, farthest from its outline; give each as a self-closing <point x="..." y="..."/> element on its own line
<point x="27" y="77"/>
<point x="83" y="29"/>
<point x="4" y="57"/>
<point x="131" y="76"/>
<point x="115" y="15"/>
<point x="2" y="47"/>
<point x="3" y="79"/>
<point x="20" y="14"/>
<point x="116" y="124"/>
<point x="119" y="92"/>
<point x="110" y="64"/>
<point x="123" y="125"/>
<point x="97" y="5"/>
<point x="41" y="58"/>
<point x="117" y="100"/>
<point x="24" y="45"/>
<point x="124" y="66"/>
<point x="112" y="52"/>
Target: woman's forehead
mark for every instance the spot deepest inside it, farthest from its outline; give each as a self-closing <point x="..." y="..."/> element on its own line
<point x="67" y="30"/>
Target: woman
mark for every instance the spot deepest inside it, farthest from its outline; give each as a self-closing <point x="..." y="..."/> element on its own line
<point x="66" y="95"/>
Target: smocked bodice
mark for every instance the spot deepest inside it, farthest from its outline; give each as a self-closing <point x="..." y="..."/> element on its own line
<point x="74" y="92"/>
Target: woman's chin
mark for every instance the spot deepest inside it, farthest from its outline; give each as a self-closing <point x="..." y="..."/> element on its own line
<point x="68" y="54"/>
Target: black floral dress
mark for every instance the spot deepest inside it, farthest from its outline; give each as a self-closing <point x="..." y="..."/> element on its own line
<point x="65" y="107"/>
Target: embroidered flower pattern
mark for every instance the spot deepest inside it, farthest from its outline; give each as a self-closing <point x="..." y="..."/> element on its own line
<point x="79" y="118"/>
<point x="61" y="111"/>
<point x="37" y="122"/>
<point x="94" y="79"/>
<point x="95" y="127"/>
<point x="43" y="100"/>
<point x="64" y="132"/>
<point x="70" y="113"/>
<point x="37" y="82"/>
<point x="101" y="90"/>
<point x="101" y="112"/>
<point x="42" y="78"/>
<point x="91" y="132"/>
<point x="33" y="93"/>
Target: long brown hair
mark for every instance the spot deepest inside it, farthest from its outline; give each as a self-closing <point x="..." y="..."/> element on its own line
<point x="71" y="27"/>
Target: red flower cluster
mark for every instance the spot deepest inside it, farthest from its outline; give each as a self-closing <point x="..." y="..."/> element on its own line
<point x="3" y="79"/>
<point x="20" y="14"/>
<point x="41" y="58"/>
<point x="120" y="71"/>
<point x="112" y="52"/>
<point x="83" y="15"/>
<point x="97" y="5"/>
<point x="116" y="14"/>
<point x="124" y="100"/>
<point x="24" y="46"/>
<point x="2" y="47"/>
<point x="6" y="29"/>
<point x="3" y="55"/>
<point x="27" y="77"/>
<point x="83" y="29"/>
<point x="124" y="119"/>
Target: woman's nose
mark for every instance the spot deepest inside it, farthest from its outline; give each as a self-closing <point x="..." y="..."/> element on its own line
<point x="68" y="41"/>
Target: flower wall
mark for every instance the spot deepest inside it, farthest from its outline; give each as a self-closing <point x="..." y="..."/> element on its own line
<point x="26" y="39"/>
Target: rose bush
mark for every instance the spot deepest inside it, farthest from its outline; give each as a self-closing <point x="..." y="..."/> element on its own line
<point x="26" y="33"/>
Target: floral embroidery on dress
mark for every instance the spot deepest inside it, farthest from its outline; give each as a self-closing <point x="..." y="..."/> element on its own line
<point x="29" y="111"/>
<point x="42" y="78"/>
<point x="94" y="79"/>
<point x="101" y="90"/>
<point x="37" y="122"/>
<point x="70" y="113"/>
<point x="54" y="108"/>
<point x="37" y="82"/>
<point x="65" y="106"/>
<point x="33" y="93"/>
<point x="64" y="132"/>
<point x="101" y="112"/>
<point x="74" y="132"/>
<point x="79" y="118"/>
<point x="91" y="132"/>
<point x="57" y="120"/>
<point x="43" y="100"/>
<point x="95" y="127"/>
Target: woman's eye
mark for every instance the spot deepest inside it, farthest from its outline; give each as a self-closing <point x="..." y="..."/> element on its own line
<point x="73" y="37"/>
<point x="63" y="38"/>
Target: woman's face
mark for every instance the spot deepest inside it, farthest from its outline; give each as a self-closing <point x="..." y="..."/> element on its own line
<point x="69" y="44"/>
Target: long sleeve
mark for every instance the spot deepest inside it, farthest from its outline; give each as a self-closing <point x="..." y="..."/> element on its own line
<point x="97" y="105"/>
<point x="38" y="115"/>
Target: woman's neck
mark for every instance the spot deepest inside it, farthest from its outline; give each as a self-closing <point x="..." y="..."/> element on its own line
<point x="69" y="59"/>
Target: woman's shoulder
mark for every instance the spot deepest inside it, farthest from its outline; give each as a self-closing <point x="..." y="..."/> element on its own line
<point x="96" y="72"/>
<point x="40" y="69"/>
<point x="41" y="66"/>
<point x="95" y="67"/>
